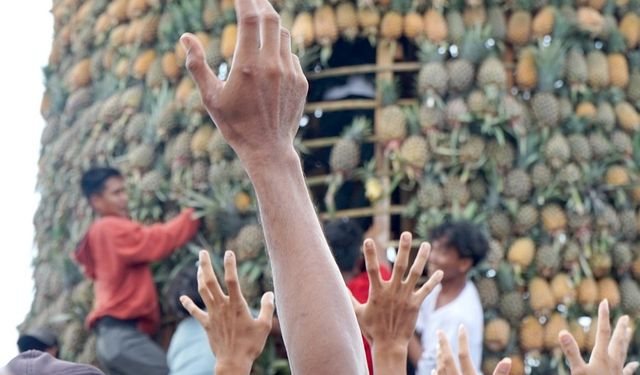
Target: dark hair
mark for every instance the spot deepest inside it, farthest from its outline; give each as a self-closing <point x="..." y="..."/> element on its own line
<point x="463" y="236"/>
<point x="94" y="179"/>
<point x="345" y="239"/>
<point x="185" y="283"/>
<point x="37" y="339"/>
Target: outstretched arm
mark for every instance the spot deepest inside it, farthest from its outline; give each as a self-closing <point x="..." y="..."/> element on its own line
<point x="388" y="318"/>
<point x="235" y="337"/>
<point x="446" y="364"/>
<point x="258" y="110"/>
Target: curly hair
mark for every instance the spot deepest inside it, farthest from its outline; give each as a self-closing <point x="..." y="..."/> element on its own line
<point x="463" y="236"/>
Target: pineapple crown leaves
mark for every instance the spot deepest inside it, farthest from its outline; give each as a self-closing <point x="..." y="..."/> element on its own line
<point x="401" y="6"/>
<point x="634" y="59"/>
<point x="615" y="41"/>
<point x="360" y="128"/>
<point x="550" y="63"/>
<point x="388" y="92"/>
<point x="412" y="114"/>
<point x="473" y="46"/>
<point x="430" y="51"/>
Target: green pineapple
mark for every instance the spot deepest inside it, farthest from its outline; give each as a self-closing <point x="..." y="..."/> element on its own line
<point x="580" y="148"/>
<point x="500" y="225"/>
<point x="492" y="73"/>
<point x="547" y="260"/>
<point x="600" y="145"/>
<point x="249" y="242"/>
<point x="630" y="294"/>
<point x="489" y="293"/>
<point x="471" y="152"/>
<point x="622" y="257"/>
<point x="557" y="151"/>
<point x="526" y="218"/>
<point x="576" y="69"/>
<point x="462" y="70"/>
<point x="503" y="155"/>
<point x="517" y="184"/>
<point x="433" y="77"/>
<point x="345" y="154"/>
<point x="429" y="194"/>
<point x="512" y="306"/>
<point x="414" y="150"/>
<point x="606" y="117"/>
<point x="456" y="191"/>
<point x="622" y="143"/>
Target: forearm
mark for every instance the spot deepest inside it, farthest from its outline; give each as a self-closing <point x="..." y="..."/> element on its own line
<point x="415" y="350"/>
<point x="389" y="360"/>
<point x="318" y="324"/>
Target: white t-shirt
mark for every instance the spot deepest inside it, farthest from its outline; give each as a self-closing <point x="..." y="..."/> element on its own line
<point x="465" y="309"/>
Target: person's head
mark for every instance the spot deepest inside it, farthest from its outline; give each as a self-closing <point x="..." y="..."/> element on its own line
<point x="41" y="339"/>
<point x="185" y="283"/>
<point x="345" y="240"/>
<point x="105" y="189"/>
<point x="35" y="362"/>
<point x="456" y="246"/>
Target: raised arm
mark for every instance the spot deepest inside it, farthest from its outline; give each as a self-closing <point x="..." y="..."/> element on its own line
<point x="446" y="364"/>
<point x="388" y="318"/>
<point x="258" y="110"/>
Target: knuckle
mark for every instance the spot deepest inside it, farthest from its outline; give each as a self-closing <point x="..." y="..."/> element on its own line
<point x="251" y="19"/>
<point x="270" y="17"/>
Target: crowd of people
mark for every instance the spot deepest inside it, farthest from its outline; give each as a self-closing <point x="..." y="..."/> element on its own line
<point x="378" y="323"/>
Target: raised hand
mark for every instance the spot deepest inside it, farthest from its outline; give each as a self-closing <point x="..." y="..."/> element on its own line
<point x="235" y="337"/>
<point x="609" y="353"/>
<point x="258" y="108"/>
<point x="446" y="364"/>
<point x="388" y="318"/>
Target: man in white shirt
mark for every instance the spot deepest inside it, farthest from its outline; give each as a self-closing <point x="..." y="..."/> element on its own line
<point x="456" y="248"/>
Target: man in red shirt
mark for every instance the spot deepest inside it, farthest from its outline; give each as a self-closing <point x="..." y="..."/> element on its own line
<point x="115" y="253"/>
<point x="345" y="240"/>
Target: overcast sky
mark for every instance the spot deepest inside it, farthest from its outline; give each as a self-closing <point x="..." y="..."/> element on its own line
<point x="25" y="34"/>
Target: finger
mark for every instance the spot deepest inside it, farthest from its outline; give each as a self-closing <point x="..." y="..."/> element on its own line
<point x="302" y="85"/>
<point x="373" y="267"/>
<point x="503" y="367"/>
<point x="357" y="306"/>
<point x="207" y="280"/>
<point x="466" y="364"/>
<point x="418" y="264"/>
<point x="447" y="354"/>
<point x="194" y="310"/>
<point x="269" y="28"/>
<point x="285" y="50"/>
<point x="630" y="368"/>
<point x="603" y="331"/>
<point x="619" y="342"/>
<point x="571" y="351"/>
<point x="425" y="289"/>
<point x="231" y="277"/>
<point x="267" y="307"/>
<point x="208" y="84"/>
<point x="248" y="41"/>
<point x="402" y="260"/>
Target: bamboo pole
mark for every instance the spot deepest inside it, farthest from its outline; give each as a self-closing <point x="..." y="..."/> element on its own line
<point x="350" y="104"/>
<point x="366" y="211"/>
<point x="365" y="69"/>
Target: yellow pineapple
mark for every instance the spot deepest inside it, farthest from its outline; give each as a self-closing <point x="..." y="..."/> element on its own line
<point x="391" y="25"/>
<point x="608" y="289"/>
<point x="553" y="218"/>
<point x="302" y="31"/>
<point x="553" y="327"/>
<point x="627" y="116"/>
<point x="228" y="40"/>
<point x="519" y="27"/>
<point x="526" y="70"/>
<point x="531" y="335"/>
<point x="347" y="20"/>
<point x="325" y="27"/>
<point x="170" y="66"/>
<point x="521" y="252"/>
<point x="200" y="140"/>
<point x="563" y="289"/>
<point x="629" y="26"/>
<point x="142" y="63"/>
<point x="543" y="22"/>
<point x="413" y="25"/>
<point x="496" y="334"/>
<point x="588" y="293"/>
<point x="540" y="296"/>
<point x="435" y="26"/>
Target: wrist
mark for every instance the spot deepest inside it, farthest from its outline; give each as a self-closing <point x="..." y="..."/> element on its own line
<point x="233" y="366"/>
<point x="258" y="164"/>
<point x="389" y="358"/>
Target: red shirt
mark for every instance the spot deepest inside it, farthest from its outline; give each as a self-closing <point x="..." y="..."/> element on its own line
<point x="116" y="252"/>
<point x="359" y="287"/>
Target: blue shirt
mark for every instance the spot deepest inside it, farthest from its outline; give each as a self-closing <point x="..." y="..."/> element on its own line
<point x="189" y="351"/>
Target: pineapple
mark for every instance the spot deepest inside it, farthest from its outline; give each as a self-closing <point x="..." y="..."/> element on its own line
<point x="142" y="156"/>
<point x="369" y="20"/>
<point x="630" y="295"/>
<point x="606" y="116"/>
<point x="541" y="175"/>
<point x="600" y="145"/>
<point x="562" y="288"/>
<point x="518" y="185"/>
<point x="627" y="116"/>
<point x="228" y="40"/>
<point x="598" y="70"/>
<point x="617" y="175"/>
<point x="217" y="147"/>
<point x="200" y="141"/>
<point x="345" y="154"/>
<point x="552" y="329"/>
<point x="413" y="25"/>
<point x="346" y="20"/>
<point x="521" y="252"/>
<point x="531" y="335"/>
<point x="457" y="112"/>
<point x="433" y="76"/>
<point x="616" y="60"/>
<point x="392" y="125"/>
<point x="500" y="228"/>
<point x="430" y="195"/>
<point x="472" y="151"/>
<point x="547" y="260"/>
<point x="249" y="242"/>
<point x="492" y="72"/>
<point x="557" y="151"/>
<point x="579" y="334"/>
<point x="456" y="26"/>
<point x="621" y="143"/>
<point x="519" y="27"/>
<point x="496" y="334"/>
<point x="512" y="307"/>
<point x="540" y="296"/>
<point x="488" y="291"/>
<point x="325" y="28"/>
<point x="152" y="182"/>
<point x="497" y="23"/>
<point x="608" y="289"/>
<point x="588" y="293"/>
<point x="580" y="148"/>
<point x="543" y="22"/>
<point x="526" y="219"/>
<point x="576" y="68"/>
<point x="456" y="191"/>
<point x="629" y="26"/>
<point x="391" y="25"/>
<point x="435" y="26"/>
<point x="414" y="150"/>
<point x="591" y="21"/>
<point x="526" y="71"/>
<point x="80" y="75"/>
<point x="553" y="218"/>
<point x="170" y="66"/>
<point x="461" y="71"/>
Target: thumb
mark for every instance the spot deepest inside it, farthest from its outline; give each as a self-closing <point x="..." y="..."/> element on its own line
<point x="503" y="367"/>
<point x="267" y="306"/>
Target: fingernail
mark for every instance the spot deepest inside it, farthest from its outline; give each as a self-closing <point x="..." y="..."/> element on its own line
<point x="227" y="254"/>
<point x="406" y="237"/>
<point x="184" y="41"/>
<point x="439" y="275"/>
<point x="564" y="337"/>
<point x="368" y="243"/>
<point x="270" y="297"/>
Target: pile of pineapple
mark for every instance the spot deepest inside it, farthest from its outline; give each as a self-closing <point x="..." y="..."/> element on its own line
<point x="523" y="117"/>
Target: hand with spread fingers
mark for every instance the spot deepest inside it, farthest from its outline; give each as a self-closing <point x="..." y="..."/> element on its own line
<point x="258" y="108"/>
<point x="610" y="351"/>
<point x="388" y="318"/>
<point x="235" y="337"/>
<point x="446" y="364"/>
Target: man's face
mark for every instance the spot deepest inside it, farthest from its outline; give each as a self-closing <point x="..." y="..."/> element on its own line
<point x="448" y="260"/>
<point x="113" y="200"/>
